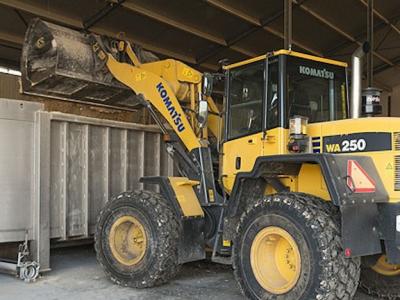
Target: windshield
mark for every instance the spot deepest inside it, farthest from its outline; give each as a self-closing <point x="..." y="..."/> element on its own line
<point x="315" y="90"/>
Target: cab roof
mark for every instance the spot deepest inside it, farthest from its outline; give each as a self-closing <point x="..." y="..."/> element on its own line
<point x="286" y="52"/>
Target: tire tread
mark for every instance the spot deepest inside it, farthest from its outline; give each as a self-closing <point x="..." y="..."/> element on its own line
<point x="340" y="276"/>
<point x="168" y="227"/>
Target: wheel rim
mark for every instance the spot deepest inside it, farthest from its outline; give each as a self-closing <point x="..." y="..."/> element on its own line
<point x="128" y="240"/>
<point x="383" y="267"/>
<point x="275" y="260"/>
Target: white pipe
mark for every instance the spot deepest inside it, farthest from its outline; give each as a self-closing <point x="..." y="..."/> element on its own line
<point x="356" y="61"/>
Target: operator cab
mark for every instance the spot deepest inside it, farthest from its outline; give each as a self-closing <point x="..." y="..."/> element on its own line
<point x="262" y="96"/>
<point x="310" y="86"/>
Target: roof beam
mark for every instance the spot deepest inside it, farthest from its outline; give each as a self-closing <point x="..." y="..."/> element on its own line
<point x="21" y="17"/>
<point x="101" y="14"/>
<point x="340" y="31"/>
<point x="242" y="35"/>
<point x="11" y="38"/>
<point x="378" y="26"/>
<point x="184" y="27"/>
<point x="384" y="19"/>
<point x="383" y="67"/>
<point x="254" y="21"/>
<point x="382" y="85"/>
<point x="59" y="17"/>
<point x="42" y="11"/>
<point x="9" y="63"/>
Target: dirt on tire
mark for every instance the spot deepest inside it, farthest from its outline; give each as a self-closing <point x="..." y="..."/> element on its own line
<point x="160" y="261"/>
<point x="326" y="272"/>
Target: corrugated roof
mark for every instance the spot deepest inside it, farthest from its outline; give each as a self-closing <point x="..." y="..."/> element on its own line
<point x="203" y="32"/>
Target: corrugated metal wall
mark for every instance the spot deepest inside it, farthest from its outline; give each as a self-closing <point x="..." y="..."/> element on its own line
<point x="58" y="170"/>
<point x="93" y="160"/>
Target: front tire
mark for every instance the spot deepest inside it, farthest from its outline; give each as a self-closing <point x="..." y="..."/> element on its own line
<point x="136" y="239"/>
<point x="288" y="246"/>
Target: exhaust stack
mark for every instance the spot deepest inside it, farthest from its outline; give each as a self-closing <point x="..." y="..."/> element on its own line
<point x="356" y="82"/>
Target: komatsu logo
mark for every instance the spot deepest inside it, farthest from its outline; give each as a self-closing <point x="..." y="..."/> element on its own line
<point x="316" y="72"/>
<point x="176" y="117"/>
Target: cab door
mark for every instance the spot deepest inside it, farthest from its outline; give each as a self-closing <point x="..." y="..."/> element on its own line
<point x="275" y="136"/>
<point x="244" y="121"/>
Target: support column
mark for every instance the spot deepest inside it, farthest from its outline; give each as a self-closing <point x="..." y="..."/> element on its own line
<point x="370" y="38"/>
<point x="288" y="24"/>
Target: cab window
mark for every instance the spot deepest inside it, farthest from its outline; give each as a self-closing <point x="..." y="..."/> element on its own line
<point x="246" y="100"/>
<point x="316" y="90"/>
<point x="273" y="96"/>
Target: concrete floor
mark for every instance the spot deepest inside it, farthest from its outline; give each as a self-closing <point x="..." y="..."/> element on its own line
<point x="76" y="275"/>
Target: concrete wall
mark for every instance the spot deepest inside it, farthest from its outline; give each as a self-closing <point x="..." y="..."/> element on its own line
<point x="395" y="102"/>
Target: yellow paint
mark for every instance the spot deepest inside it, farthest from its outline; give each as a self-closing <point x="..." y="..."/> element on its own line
<point x="245" y="62"/>
<point x="214" y="122"/>
<point x="140" y="76"/>
<point x="290" y="53"/>
<point x="311" y="181"/>
<point x="129" y="74"/>
<point x="128" y="240"/>
<point x="226" y="243"/>
<point x="311" y="57"/>
<point x="249" y="148"/>
<point x="131" y="54"/>
<point x="211" y="195"/>
<point x="381" y="159"/>
<point x="275" y="260"/>
<point x="187" y="199"/>
<point x="384" y="268"/>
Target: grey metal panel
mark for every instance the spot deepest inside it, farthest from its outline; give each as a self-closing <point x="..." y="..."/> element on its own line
<point x="135" y="166"/>
<point x="151" y="158"/>
<point x="101" y="159"/>
<point x="18" y="110"/>
<point x="40" y="246"/>
<point x="97" y="161"/>
<point x="57" y="186"/>
<point x="116" y="168"/>
<point x="75" y="176"/>
<point x="16" y="168"/>
<point x="58" y="170"/>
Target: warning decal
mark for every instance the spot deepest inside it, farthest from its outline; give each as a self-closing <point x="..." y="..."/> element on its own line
<point x="358" y="179"/>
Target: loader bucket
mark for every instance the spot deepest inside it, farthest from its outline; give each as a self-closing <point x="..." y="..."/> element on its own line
<point x="59" y="62"/>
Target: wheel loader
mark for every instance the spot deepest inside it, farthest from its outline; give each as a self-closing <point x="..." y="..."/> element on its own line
<point x="290" y="179"/>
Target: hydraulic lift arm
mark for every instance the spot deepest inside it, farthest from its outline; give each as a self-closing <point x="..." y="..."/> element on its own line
<point x="62" y="63"/>
<point x="163" y="84"/>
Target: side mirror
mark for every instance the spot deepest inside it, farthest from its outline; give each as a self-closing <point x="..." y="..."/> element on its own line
<point x="203" y="113"/>
<point x="207" y="84"/>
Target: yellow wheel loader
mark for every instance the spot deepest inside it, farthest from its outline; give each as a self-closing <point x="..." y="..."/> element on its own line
<point x="285" y="180"/>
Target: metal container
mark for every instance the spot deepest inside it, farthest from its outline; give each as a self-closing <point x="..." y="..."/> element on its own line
<point x="371" y="101"/>
<point x="17" y="136"/>
<point x="58" y="170"/>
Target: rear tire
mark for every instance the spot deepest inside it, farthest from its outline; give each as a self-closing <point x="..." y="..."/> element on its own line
<point x="136" y="239"/>
<point x="379" y="285"/>
<point x="323" y="273"/>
